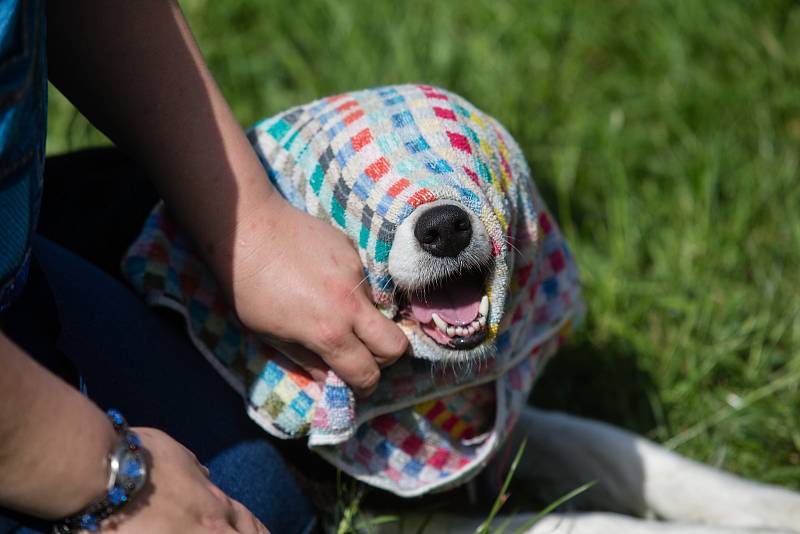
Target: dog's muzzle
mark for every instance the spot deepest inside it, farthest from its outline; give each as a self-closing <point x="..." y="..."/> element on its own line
<point x="439" y="261"/>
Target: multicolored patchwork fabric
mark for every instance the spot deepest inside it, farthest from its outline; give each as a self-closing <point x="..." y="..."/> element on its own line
<point x="364" y="161"/>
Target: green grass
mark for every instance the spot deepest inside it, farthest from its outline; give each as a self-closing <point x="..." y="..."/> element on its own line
<point x="666" y="138"/>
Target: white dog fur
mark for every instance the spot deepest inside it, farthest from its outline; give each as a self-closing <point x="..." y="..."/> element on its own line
<point x="411" y="267"/>
<point x="642" y="487"/>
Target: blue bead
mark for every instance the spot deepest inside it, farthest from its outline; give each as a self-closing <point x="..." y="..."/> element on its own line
<point x="116" y="417"/>
<point x="132" y="468"/>
<point x="133" y="440"/>
<point x="117" y="496"/>
<point x="89" y="522"/>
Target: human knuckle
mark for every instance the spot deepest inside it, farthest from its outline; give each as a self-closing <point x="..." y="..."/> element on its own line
<point x="372" y="322"/>
<point x="243" y="512"/>
<point x="239" y="507"/>
<point x="221" y="498"/>
<point x="332" y="334"/>
<point x="222" y="507"/>
<point x="214" y="521"/>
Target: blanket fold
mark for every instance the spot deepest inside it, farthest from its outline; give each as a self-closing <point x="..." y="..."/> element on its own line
<point x="364" y="161"/>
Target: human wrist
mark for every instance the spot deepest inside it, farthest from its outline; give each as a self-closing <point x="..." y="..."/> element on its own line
<point x="125" y="478"/>
<point x="50" y="484"/>
<point x="86" y="475"/>
<point x="52" y="453"/>
<point x="239" y="255"/>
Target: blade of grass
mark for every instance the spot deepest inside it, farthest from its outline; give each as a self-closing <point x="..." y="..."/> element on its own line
<point x="502" y="496"/>
<point x="368" y="524"/>
<point x="424" y="523"/>
<point x="506" y="522"/>
<point x="552" y="506"/>
<point x="747" y="401"/>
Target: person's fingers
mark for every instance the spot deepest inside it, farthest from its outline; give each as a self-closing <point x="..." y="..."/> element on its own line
<point x="243" y="520"/>
<point x="353" y="362"/>
<point x="203" y="469"/>
<point x="310" y="362"/>
<point x="218" y="511"/>
<point x="222" y="497"/>
<point x="382" y="337"/>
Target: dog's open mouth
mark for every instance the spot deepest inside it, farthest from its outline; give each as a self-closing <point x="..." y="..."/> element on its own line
<point x="452" y="312"/>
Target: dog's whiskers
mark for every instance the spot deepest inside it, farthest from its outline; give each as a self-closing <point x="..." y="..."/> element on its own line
<point x="510" y="244"/>
<point x="358" y="285"/>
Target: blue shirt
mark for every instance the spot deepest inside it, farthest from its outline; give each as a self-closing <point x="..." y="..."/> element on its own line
<point x="23" y="126"/>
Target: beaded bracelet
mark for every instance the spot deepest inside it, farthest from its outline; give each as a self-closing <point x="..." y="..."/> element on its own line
<point x="127" y="474"/>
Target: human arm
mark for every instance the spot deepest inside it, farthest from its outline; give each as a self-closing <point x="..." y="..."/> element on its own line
<point x="53" y="441"/>
<point x="53" y="448"/>
<point x="135" y="71"/>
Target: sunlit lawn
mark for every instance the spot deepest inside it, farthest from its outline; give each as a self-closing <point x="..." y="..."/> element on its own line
<point x="666" y="137"/>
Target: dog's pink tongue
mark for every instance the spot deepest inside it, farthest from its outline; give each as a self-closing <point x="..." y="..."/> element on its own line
<point x="457" y="303"/>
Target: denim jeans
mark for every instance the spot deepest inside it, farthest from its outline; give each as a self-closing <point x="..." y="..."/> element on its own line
<point x="133" y="359"/>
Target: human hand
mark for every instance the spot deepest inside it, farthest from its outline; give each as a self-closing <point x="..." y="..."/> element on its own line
<point x="299" y="281"/>
<point x="178" y="497"/>
<point x="289" y="276"/>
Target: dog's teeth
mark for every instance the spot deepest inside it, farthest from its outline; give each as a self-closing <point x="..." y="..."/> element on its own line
<point x="484" y="308"/>
<point x="482" y="321"/>
<point x="459" y="331"/>
<point x="451" y="331"/>
<point x="440" y="324"/>
<point x="470" y="330"/>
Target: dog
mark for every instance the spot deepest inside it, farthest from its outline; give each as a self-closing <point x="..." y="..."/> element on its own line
<point x="459" y="249"/>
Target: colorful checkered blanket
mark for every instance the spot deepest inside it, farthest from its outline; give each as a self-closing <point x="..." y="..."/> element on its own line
<point x="364" y="161"/>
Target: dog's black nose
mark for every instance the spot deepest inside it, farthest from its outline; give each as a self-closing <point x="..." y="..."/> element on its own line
<point x="443" y="230"/>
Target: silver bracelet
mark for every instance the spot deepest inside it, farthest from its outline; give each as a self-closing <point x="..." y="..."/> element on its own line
<point x="127" y="474"/>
